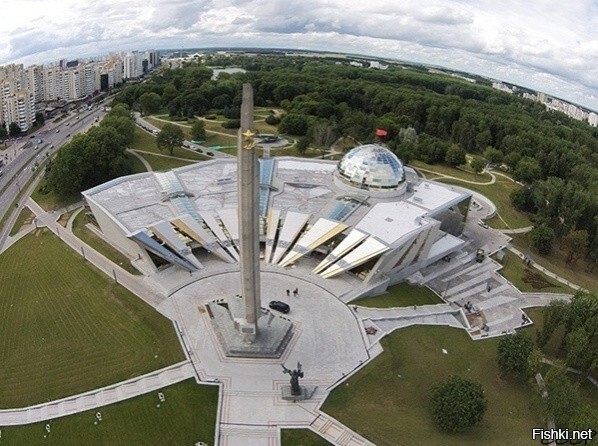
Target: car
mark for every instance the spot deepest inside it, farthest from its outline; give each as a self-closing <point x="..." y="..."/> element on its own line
<point x="57" y="130"/>
<point x="210" y="153"/>
<point x="68" y="135"/>
<point x="32" y="136"/>
<point x="68" y="123"/>
<point x="39" y="141"/>
<point x="279" y="306"/>
<point x="36" y="147"/>
<point x="51" y="146"/>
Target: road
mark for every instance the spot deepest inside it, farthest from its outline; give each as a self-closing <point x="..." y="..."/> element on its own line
<point x="53" y="135"/>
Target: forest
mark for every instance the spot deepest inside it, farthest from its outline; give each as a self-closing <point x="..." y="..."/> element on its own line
<point x="431" y="117"/>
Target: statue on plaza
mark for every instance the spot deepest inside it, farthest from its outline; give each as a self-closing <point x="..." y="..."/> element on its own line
<point x="295" y="375"/>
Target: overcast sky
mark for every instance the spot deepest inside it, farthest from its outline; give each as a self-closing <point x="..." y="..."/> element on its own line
<point x="548" y="45"/>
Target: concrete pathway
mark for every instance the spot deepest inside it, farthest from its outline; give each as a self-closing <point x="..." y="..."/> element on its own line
<point x="337" y="433"/>
<point x="516" y="231"/>
<point x="98" y="398"/>
<point x="442" y="175"/>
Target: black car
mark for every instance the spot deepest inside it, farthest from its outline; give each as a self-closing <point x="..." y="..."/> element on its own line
<point x="279" y="306"/>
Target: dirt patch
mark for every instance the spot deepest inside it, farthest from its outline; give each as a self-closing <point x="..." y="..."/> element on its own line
<point x="536" y="280"/>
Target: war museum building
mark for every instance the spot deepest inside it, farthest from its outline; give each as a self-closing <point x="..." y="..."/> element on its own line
<point x="367" y="215"/>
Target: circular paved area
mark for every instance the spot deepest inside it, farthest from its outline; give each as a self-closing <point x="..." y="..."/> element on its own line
<point x="328" y="340"/>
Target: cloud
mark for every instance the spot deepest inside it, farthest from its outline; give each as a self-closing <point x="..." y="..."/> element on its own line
<point x="548" y="44"/>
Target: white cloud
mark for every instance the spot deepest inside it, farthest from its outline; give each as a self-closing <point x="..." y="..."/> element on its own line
<point x="548" y="45"/>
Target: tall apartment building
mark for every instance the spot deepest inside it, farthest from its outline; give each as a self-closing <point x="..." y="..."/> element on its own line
<point x="133" y="65"/>
<point x="17" y="103"/>
<point x="20" y="108"/>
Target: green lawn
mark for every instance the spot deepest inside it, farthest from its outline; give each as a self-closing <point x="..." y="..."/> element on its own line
<point x="50" y="201"/>
<point x="264" y="127"/>
<point x="164" y="163"/>
<point x="453" y="171"/>
<point x="214" y="139"/>
<point x="138" y="166"/>
<point x="388" y="401"/>
<point x="301" y="437"/>
<point x="97" y="243"/>
<point x="499" y="193"/>
<point x="555" y="262"/>
<point x="185" y="127"/>
<point x="25" y="218"/>
<point x="401" y="295"/>
<point x="530" y="279"/>
<point x="147" y="143"/>
<point x="187" y="416"/>
<point x="66" y="328"/>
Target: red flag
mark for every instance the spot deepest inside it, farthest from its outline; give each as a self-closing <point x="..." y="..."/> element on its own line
<point x="381" y="133"/>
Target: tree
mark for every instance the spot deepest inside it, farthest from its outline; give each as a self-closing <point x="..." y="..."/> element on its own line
<point x="40" y="118"/>
<point x="513" y="353"/>
<point x="294" y="124"/>
<point x="150" y="103"/>
<point x="455" y="155"/>
<point x="542" y="237"/>
<point x="302" y="144"/>
<point x="170" y="136"/>
<point x="477" y="163"/>
<point x="14" y="129"/>
<point x="575" y="244"/>
<point x="198" y="131"/>
<point x="458" y="404"/>
<point x="527" y="170"/>
<point x="562" y="399"/>
<point x="494" y="156"/>
<point x="3" y="131"/>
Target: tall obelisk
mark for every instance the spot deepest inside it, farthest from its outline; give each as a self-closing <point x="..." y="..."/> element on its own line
<point x="248" y="184"/>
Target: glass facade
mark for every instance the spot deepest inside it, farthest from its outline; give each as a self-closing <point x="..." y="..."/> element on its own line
<point x="372" y="167"/>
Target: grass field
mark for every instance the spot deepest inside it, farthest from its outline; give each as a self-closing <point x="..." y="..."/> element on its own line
<point x="530" y="279"/>
<point x="187" y="416"/>
<point x="388" y="401"/>
<point x="555" y="262"/>
<point x="49" y="201"/>
<point x="452" y="171"/>
<point x="147" y="143"/>
<point x="499" y="193"/>
<point x="97" y="243"/>
<point x="401" y="295"/>
<point x="65" y="328"/>
<point x="164" y="163"/>
<point x="25" y="218"/>
<point x="138" y="166"/>
<point x="301" y="437"/>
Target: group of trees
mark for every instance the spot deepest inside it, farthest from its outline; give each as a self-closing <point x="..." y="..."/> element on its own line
<point x="576" y="326"/>
<point x="93" y="157"/>
<point x="185" y="93"/>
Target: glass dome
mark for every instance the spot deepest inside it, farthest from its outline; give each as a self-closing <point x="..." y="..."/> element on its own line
<point x="372" y="166"/>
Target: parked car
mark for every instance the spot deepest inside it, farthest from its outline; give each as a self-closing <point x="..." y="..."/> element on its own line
<point x="210" y="153"/>
<point x="279" y="306"/>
